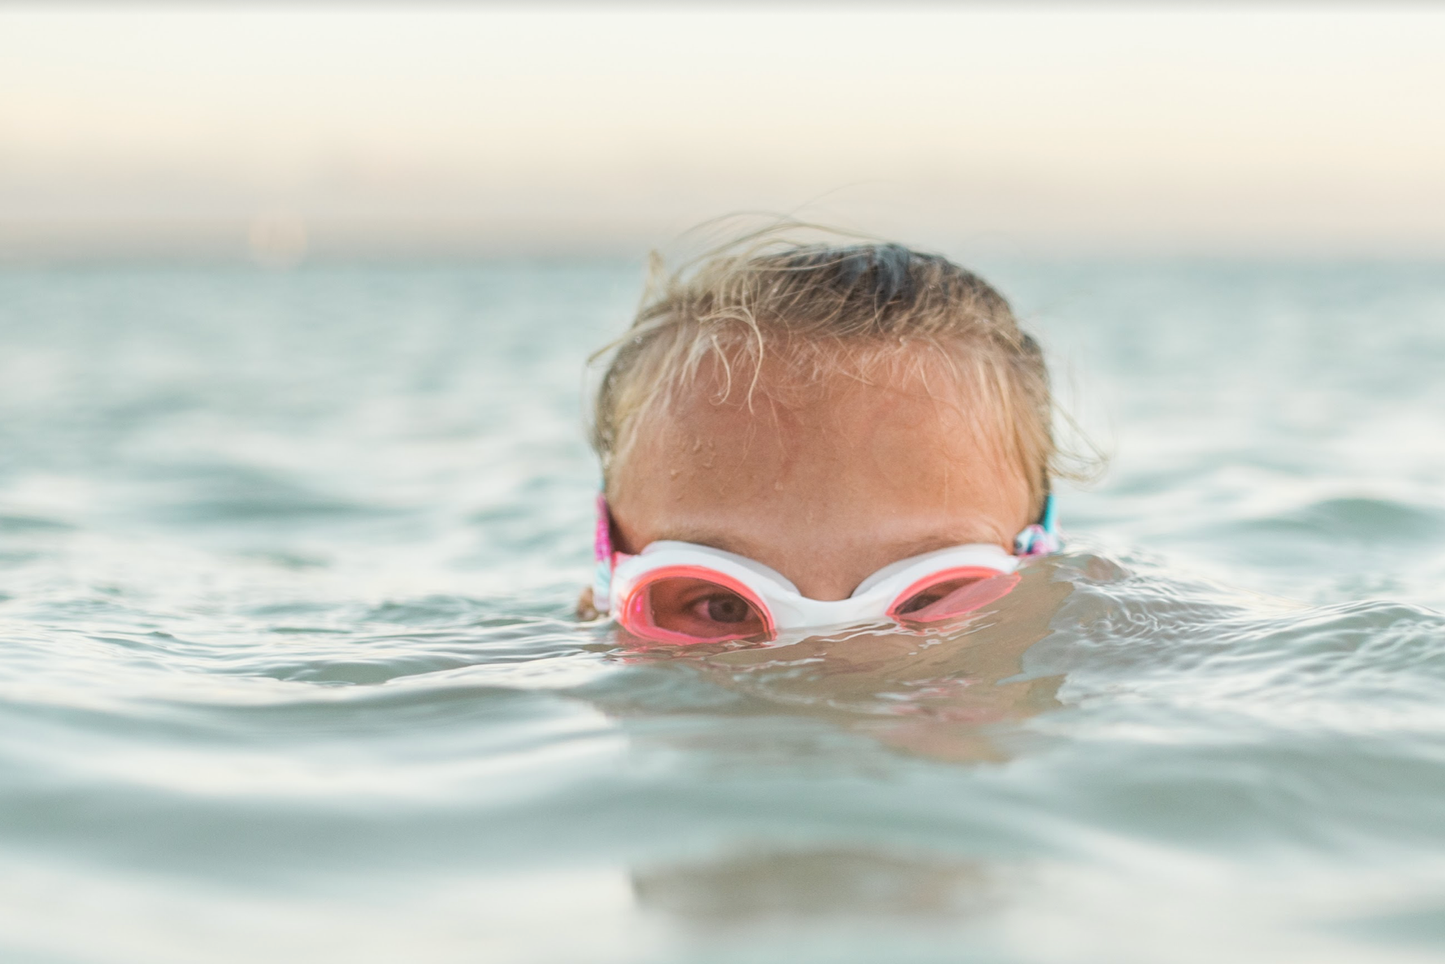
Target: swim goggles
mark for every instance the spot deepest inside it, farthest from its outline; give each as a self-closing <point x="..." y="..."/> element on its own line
<point x="679" y="592"/>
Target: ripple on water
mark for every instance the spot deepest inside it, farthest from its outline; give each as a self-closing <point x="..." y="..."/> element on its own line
<point x="287" y="672"/>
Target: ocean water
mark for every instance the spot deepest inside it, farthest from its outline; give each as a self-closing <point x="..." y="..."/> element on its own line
<point x="288" y="671"/>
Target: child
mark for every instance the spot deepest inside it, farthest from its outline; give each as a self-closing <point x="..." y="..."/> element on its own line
<point x="799" y="435"/>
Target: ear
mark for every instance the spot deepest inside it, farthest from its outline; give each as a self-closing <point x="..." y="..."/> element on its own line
<point x="585" y="610"/>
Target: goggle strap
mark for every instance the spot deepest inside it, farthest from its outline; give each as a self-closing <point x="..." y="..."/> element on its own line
<point x="602" y="558"/>
<point x="1042" y="537"/>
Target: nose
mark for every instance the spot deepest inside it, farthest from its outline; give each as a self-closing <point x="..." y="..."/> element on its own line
<point x="823" y="581"/>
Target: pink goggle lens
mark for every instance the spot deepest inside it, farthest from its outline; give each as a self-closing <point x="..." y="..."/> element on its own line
<point x="951" y="593"/>
<point x="678" y="607"/>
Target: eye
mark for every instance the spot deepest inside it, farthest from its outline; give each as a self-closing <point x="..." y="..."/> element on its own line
<point x="953" y="593"/>
<point x="931" y="595"/>
<point x="692" y="609"/>
<point x="723" y="607"/>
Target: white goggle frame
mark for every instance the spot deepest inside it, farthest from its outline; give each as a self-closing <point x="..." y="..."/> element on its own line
<point x="782" y="606"/>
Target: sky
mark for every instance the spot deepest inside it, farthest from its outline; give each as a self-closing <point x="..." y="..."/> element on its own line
<point x="276" y="131"/>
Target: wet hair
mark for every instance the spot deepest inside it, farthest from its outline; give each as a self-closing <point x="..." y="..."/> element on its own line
<point x="863" y="308"/>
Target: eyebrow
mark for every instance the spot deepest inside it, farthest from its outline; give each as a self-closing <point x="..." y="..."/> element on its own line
<point x="917" y="547"/>
<point x="896" y="551"/>
<point x="710" y="538"/>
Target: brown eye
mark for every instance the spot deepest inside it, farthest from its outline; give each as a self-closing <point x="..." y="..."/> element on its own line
<point x="953" y="593"/>
<point x="930" y="596"/>
<point x="697" y="608"/>
<point x="729" y="608"/>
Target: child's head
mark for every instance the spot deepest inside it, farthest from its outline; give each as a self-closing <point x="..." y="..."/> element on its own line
<point x="825" y="411"/>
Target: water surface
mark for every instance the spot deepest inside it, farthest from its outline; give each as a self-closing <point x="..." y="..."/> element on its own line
<point x="287" y="670"/>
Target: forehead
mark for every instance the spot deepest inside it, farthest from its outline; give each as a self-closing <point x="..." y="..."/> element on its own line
<point x="902" y="449"/>
<point x="790" y="425"/>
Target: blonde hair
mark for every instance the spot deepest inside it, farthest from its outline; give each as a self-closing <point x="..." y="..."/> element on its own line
<point x="818" y="308"/>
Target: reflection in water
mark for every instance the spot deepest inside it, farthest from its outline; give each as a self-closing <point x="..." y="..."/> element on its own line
<point x="780" y="886"/>
<point x="927" y="692"/>
<point x="933" y="693"/>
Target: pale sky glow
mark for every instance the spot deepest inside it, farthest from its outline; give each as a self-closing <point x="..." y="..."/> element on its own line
<point x="1291" y="128"/>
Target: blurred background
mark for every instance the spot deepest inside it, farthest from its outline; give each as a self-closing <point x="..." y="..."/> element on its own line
<point x="278" y="132"/>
